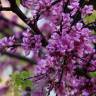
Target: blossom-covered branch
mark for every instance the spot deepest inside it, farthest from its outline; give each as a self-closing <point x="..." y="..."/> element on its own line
<point x="60" y="43"/>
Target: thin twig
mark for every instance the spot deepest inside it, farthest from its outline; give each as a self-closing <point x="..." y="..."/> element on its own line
<point x="18" y="56"/>
<point x="5" y="9"/>
<point x="12" y="22"/>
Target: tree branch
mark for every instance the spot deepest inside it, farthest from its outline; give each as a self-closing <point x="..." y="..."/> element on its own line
<point x="34" y="27"/>
<point x="12" y="22"/>
<point x="18" y="57"/>
<point x="5" y="9"/>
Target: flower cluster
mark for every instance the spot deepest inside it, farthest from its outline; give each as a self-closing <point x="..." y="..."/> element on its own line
<point x="64" y="64"/>
<point x="7" y="43"/>
<point x="31" y="42"/>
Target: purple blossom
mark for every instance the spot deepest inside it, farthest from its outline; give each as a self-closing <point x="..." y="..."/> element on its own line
<point x="31" y="42"/>
<point x="7" y="43"/>
<point x="64" y="63"/>
<point x="87" y="10"/>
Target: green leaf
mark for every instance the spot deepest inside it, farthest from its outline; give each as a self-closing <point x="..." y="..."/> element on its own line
<point x="1" y="36"/>
<point x="19" y="82"/>
<point x="0" y="80"/>
<point x="92" y="74"/>
<point x="90" y="18"/>
<point x="18" y="2"/>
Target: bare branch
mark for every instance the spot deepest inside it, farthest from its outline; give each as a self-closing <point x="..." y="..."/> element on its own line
<point x="5" y="9"/>
<point x="18" y="56"/>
